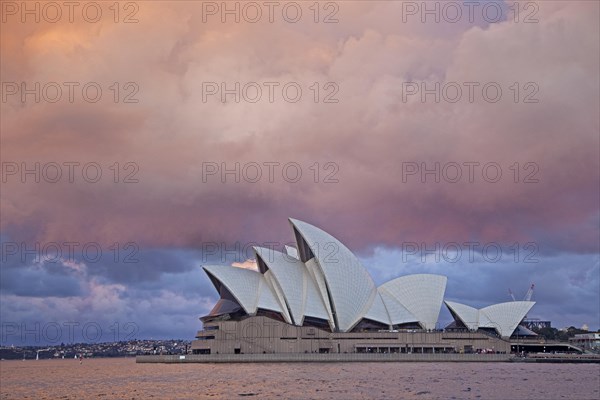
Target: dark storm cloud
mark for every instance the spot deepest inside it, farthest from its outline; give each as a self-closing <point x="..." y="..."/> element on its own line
<point x="39" y="281"/>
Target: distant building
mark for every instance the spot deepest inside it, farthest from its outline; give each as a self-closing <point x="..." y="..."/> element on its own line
<point x="587" y="341"/>
<point x="319" y="298"/>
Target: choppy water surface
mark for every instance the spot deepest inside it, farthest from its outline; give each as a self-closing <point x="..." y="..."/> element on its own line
<point x="124" y="379"/>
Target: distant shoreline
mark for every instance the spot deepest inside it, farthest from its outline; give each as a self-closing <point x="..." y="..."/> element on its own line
<point x="129" y="348"/>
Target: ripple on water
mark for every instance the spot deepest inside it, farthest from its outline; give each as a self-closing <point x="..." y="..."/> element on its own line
<point x="124" y="379"/>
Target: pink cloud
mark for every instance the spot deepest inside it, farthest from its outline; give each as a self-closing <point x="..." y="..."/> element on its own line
<point x="368" y="134"/>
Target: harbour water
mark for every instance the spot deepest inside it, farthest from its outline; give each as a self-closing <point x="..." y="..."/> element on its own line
<point x="122" y="378"/>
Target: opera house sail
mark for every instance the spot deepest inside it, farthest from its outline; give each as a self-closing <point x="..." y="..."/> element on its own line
<point x="318" y="297"/>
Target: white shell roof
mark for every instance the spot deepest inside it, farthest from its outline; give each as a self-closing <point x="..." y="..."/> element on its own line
<point x="351" y="288"/>
<point x="315" y="304"/>
<point x="267" y="298"/>
<point x="334" y="286"/>
<point x="289" y="274"/>
<point x="244" y="284"/>
<point x="278" y="293"/>
<point x="378" y="312"/>
<point x="503" y="317"/>
<point x="397" y="312"/>
<point x="292" y="251"/>
<point x="420" y="294"/>
<point x="317" y="277"/>
<point x="483" y="320"/>
<point x="295" y="283"/>
<point x="467" y="314"/>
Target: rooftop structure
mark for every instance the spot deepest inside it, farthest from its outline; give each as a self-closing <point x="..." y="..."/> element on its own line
<point x="504" y="318"/>
<point x="320" y="283"/>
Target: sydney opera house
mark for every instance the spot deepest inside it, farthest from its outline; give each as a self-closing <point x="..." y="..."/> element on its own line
<point x="317" y="297"/>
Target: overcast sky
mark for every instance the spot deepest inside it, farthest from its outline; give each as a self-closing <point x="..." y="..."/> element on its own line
<point x="146" y="172"/>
